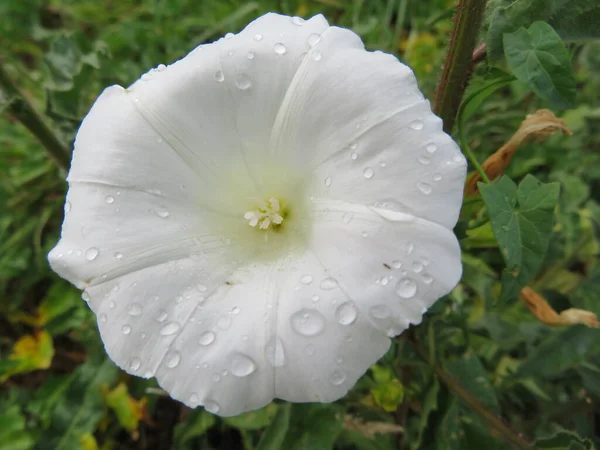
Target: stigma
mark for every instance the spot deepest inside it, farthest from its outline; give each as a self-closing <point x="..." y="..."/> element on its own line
<point x="267" y="215"/>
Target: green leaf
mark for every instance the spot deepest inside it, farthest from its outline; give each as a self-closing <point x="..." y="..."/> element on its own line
<point x="522" y="223"/>
<point x="429" y="405"/>
<point x="572" y="19"/>
<point x="450" y="432"/>
<point x="475" y="96"/>
<point x="538" y="58"/>
<point x="564" y="350"/>
<point x="313" y="427"/>
<point x="195" y="425"/>
<point x="471" y="375"/>
<point x="274" y="435"/>
<point x="564" y="440"/>
<point x="253" y="420"/>
<point x="13" y="435"/>
<point x="81" y="407"/>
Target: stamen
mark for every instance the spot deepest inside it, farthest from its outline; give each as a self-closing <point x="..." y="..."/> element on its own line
<point x="266" y="215"/>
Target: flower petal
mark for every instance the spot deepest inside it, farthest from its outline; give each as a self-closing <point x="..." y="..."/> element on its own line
<point x="371" y="136"/>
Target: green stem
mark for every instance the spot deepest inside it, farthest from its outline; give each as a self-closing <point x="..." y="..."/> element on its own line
<point x="24" y="112"/>
<point x="467" y="149"/>
<point x="468" y="17"/>
<point x="495" y="422"/>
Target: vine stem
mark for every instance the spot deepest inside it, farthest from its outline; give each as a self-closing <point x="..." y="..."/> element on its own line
<point x="468" y="17"/>
<point x="495" y="422"/>
<point x="22" y="110"/>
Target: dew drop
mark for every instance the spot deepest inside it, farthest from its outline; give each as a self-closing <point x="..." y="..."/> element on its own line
<point x="161" y="67"/>
<point x="103" y="318"/>
<point x="431" y="148"/>
<point x="162" y="316"/>
<point x="427" y="279"/>
<point x="163" y="213"/>
<point x="216" y="377"/>
<point x="328" y="283"/>
<point x="423" y="160"/>
<point x="417" y="267"/>
<point x="308" y="322"/>
<point x="337" y="377"/>
<point x="235" y="310"/>
<point x="67" y="207"/>
<point x="298" y="21"/>
<point x="173" y="360"/>
<point x="219" y="76"/>
<point x="206" y="338"/>
<point x="317" y="55"/>
<point x="85" y="296"/>
<point x="315" y="298"/>
<point x="275" y="352"/>
<point x="380" y="312"/>
<point x="437" y="176"/>
<point x="228" y="35"/>
<point x="243" y="82"/>
<point x="384" y="281"/>
<point x="353" y="156"/>
<point x="279" y="48"/>
<point x="313" y="39"/>
<point x="364" y="234"/>
<point x="135" y="309"/>
<point x="92" y="253"/>
<point x="242" y="365"/>
<point x="224" y="322"/>
<point x="135" y="363"/>
<point x="250" y="55"/>
<point x="118" y="255"/>
<point x="417" y="125"/>
<point x="112" y="304"/>
<point x="109" y="199"/>
<point x="170" y="328"/>
<point x="409" y="248"/>
<point x="125" y="329"/>
<point x="258" y="37"/>
<point x="328" y="181"/>
<point x="201" y="288"/>
<point x="212" y="407"/>
<point x="424" y="187"/>
<point x="406" y="288"/>
<point x="347" y="217"/>
<point x="194" y="399"/>
<point x="368" y="173"/>
<point x="306" y="279"/>
<point x="346" y="313"/>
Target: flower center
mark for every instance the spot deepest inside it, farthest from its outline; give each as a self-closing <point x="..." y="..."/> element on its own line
<point x="266" y="215"/>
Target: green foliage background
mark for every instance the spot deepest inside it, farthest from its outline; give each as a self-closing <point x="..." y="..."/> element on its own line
<point x="478" y="358"/>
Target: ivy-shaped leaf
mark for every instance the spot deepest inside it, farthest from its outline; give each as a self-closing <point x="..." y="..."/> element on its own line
<point x="522" y="223"/>
<point x="538" y="57"/>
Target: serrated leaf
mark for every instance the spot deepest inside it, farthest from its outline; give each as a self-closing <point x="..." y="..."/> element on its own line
<point x="274" y="435"/>
<point x="564" y="440"/>
<point x="253" y="420"/>
<point x="522" y="223"/>
<point x="538" y="57"/>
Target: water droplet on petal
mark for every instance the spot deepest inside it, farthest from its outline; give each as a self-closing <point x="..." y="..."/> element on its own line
<point x="380" y="312"/>
<point x="431" y="148"/>
<point x="161" y="212"/>
<point x="346" y="313"/>
<point x="169" y="328"/>
<point x="219" y="76"/>
<point x="417" y="125"/>
<point x="409" y="248"/>
<point x="317" y="55"/>
<point x="103" y="318"/>
<point x="173" y="360"/>
<point x="423" y="160"/>
<point x="161" y="67"/>
<point x="314" y="39"/>
<point x="308" y="322"/>
<point x="85" y="296"/>
<point x="353" y="156"/>
<point x="212" y="407"/>
<point x="347" y="217"/>
<point x="424" y="187"/>
<point x="437" y="176"/>
<point x="242" y="365"/>
<point x="112" y="304"/>
<point x="250" y="55"/>
<point x="228" y="35"/>
<point x="109" y="199"/>
<point x="243" y="82"/>
<point x="235" y="310"/>
<point x="216" y="377"/>
<point x="279" y="48"/>
<point x="406" y="288"/>
<point x="162" y="316"/>
<point x="298" y="21"/>
<point x="67" y="207"/>
<point x="328" y="284"/>
<point x="368" y="173"/>
<point x="328" y="181"/>
<point x="337" y="377"/>
<point x="194" y="399"/>
<point x="417" y="267"/>
<point x="427" y="279"/>
<point x="135" y="363"/>
<point x="206" y="338"/>
<point x="118" y="255"/>
<point x="135" y="309"/>
<point x="306" y="279"/>
<point x="201" y="288"/>
<point x="92" y="253"/>
<point x="125" y="329"/>
<point x="258" y="37"/>
<point x="275" y="352"/>
<point x="384" y="281"/>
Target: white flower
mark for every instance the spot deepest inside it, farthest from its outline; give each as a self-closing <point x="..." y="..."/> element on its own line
<point x="259" y="218"/>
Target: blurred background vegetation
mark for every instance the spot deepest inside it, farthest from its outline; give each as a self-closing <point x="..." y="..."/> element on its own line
<point x="480" y="368"/>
